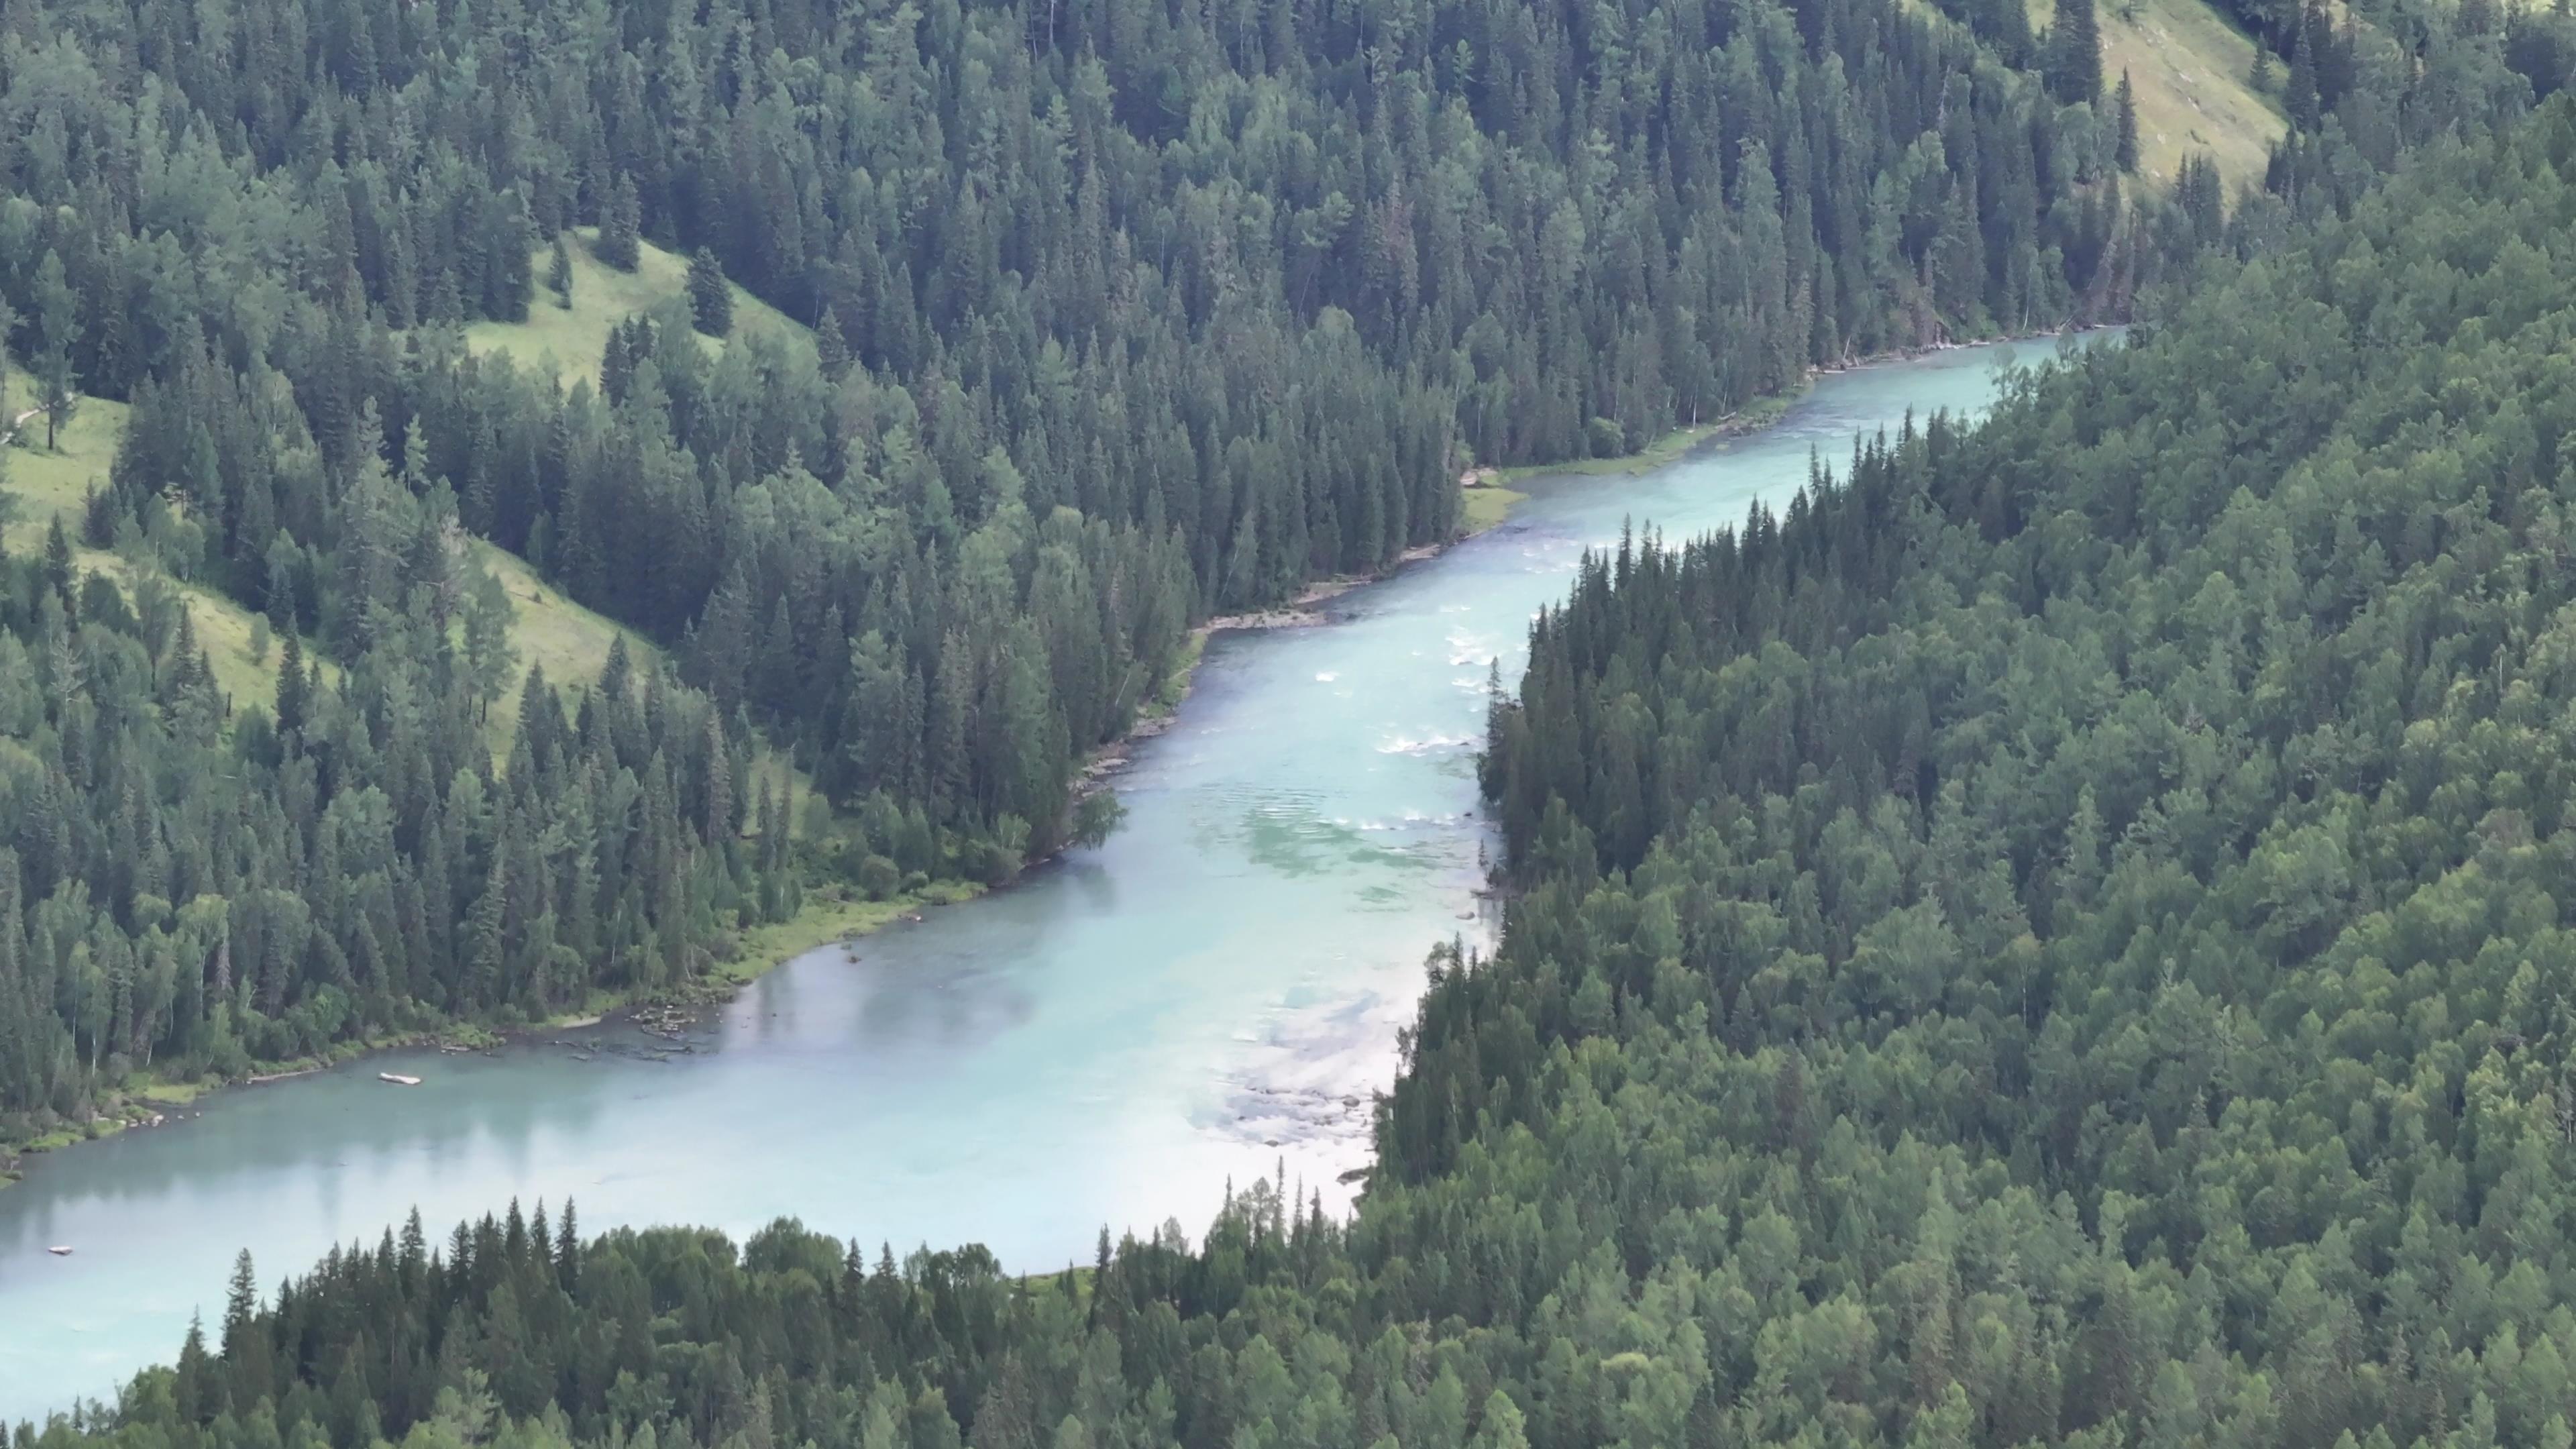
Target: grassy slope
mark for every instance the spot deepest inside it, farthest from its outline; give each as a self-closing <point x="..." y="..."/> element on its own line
<point x="550" y="631"/>
<point x="51" y="484"/>
<point x="2190" y="67"/>
<point x="602" y="298"/>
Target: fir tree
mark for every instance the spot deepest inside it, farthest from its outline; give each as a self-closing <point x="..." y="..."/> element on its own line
<point x="710" y="300"/>
<point x="559" y="274"/>
<point x="620" y="227"/>
<point x="2301" y="99"/>
<point x="829" y="345"/>
<point x="2075" y="54"/>
<point x="2126" y="112"/>
<point x="293" y="686"/>
<point x="57" y="394"/>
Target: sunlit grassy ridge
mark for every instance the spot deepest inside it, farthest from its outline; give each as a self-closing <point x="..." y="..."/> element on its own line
<point x="2192" y="70"/>
<point x="552" y="632"/>
<point x="602" y="297"/>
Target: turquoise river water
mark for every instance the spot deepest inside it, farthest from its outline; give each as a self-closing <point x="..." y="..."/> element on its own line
<point x="1211" y="995"/>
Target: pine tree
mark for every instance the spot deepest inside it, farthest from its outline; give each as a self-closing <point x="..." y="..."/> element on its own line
<point x="57" y="394"/>
<point x="2301" y="100"/>
<point x="241" y="1304"/>
<point x="2127" y="111"/>
<point x="58" y="560"/>
<point x="2075" y="54"/>
<point x="559" y="274"/>
<point x="621" y="227"/>
<point x="8" y="329"/>
<point x="292" y="686"/>
<point x="710" y="300"/>
<point x="830" y="345"/>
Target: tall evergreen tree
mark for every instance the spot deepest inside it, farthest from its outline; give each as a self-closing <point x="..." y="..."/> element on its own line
<point x="2126" y="119"/>
<point x="710" y="300"/>
<point x="621" y="226"/>
<point x="2075" y="53"/>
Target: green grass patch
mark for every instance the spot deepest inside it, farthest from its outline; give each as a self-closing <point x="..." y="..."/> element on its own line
<point x="824" y="921"/>
<point x="1484" y="506"/>
<point x="573" y="338"/>
<point x="1671" y="448"/>
<point x="551" y="632"/>
<point x="50" y="482"/>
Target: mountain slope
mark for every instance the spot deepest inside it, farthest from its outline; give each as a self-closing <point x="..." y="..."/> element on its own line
<point x="2191" y="68"/>
<point x="603" y="297"/>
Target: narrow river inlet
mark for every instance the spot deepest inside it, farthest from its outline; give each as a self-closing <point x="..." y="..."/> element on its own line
<point x="1209" y="998"/>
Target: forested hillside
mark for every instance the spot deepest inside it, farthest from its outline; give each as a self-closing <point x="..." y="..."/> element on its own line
<point x="1012" y="340"/>
<point x="2052" y="938"/>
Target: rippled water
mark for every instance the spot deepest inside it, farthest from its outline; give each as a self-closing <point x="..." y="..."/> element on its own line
<point x="1212" y="994"/>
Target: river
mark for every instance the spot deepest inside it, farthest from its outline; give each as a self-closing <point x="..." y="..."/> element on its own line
<point x="1212" y="994"/>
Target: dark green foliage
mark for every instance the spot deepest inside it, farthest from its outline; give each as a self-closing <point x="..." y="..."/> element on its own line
<point x="2075" y="53"/>
<point x="559" y="272"/>
<point x="1140" y="315"/>
<point x="2125" y="123"/>
<point x="2057" y="936"/>
<point x="362" y="818"/>
<point x="620" y="226"/>
<point x="831" y="348"/>
<point x="710" y="300"/>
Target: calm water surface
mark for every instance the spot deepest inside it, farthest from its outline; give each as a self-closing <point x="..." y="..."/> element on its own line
<point x="1212" y="994"/>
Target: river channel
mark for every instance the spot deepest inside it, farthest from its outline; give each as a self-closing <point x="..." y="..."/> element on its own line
<point x="1208" y="998"/>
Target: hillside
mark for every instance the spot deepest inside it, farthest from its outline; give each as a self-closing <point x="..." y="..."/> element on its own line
<point x="2190" y="67"/>
<point x="51" y="484"/>
<point x="548" y="630"/>
<point x="2051" y="939"/>
<point x="602" y="297"/>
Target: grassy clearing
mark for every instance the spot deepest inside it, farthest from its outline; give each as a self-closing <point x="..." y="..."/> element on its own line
<point x="551" y="632"/>
<point x="55" y="484"/>
<point x="50" y="482"/>
<point x="2191" y="69"/>
<point x="824" y="921"/>
<point x="602" y="297"/>
<point x="1486" y="505"/>
<point x="1671" y="448"/>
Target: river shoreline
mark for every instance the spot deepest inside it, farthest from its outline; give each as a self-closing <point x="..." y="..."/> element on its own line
<point x="1688" y="444"/>
<point x="157" y="1101"/>
<point x="1113" y="1041"/>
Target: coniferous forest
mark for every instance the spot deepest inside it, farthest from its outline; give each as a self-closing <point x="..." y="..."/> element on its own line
<point x="2052" y="937"/>
<point x="1114" y="316"/>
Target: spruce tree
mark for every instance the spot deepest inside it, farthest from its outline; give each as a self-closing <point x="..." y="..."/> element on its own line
<point x="621" y="227"/>
<point x="2127" y="153"/>
<point x="2301" y="101"/>
<point x="710" y="301"/>
<point x="57" y="394"/>
<point x="830" y="345"/>
<point x="559" y="274"/>
<point x="8" y="329"/>
<point x="2075" y="54"/>
<point x="292" y="694"/>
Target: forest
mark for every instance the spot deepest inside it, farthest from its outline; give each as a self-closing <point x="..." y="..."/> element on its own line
<point x="1099" y="319"/>
<point x="2051" y="937"/>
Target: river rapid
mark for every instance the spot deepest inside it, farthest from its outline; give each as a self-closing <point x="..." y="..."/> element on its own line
<point x="1209" y="998"/>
